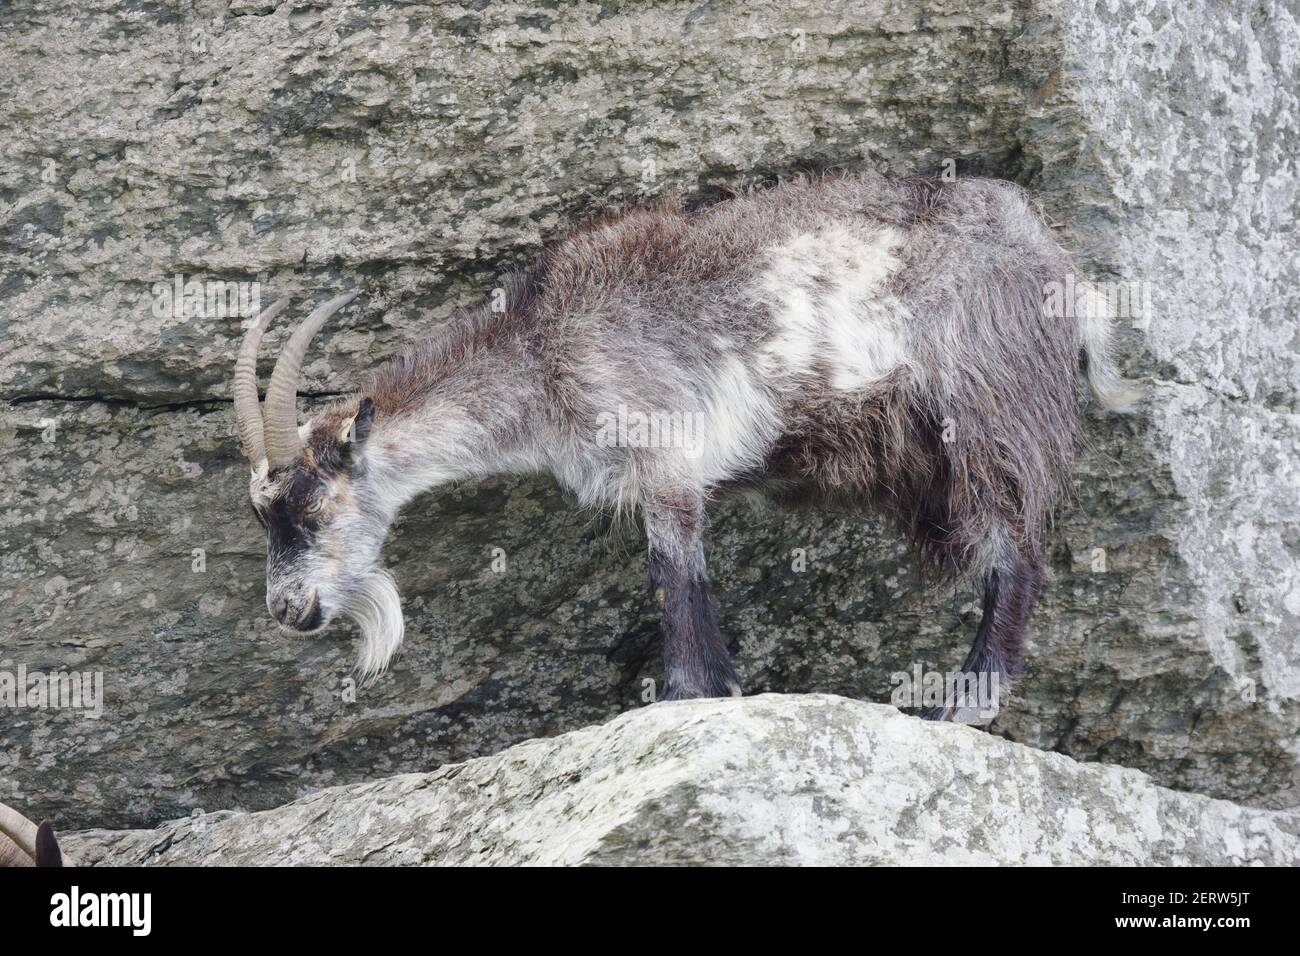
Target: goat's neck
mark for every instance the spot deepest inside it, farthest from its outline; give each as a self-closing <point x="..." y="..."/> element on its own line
<point x="481" y="417"/>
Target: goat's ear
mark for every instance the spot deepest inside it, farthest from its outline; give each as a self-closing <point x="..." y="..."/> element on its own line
<point x="47" y="847"/>
<point x="355" y="430"/>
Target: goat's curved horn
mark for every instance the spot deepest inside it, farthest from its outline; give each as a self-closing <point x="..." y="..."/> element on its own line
<point x="11" y="856"/>
<point x="20" y="831"/>
<point x="281" y="405"/>
<point x="248" y="416"/>
<point x="23" y="843"/>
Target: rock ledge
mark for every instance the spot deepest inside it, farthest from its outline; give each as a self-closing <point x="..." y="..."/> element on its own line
<point x="801" y="779"/>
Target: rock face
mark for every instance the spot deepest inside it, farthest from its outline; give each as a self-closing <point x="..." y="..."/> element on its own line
<point x="417" y="153"/>
<point x="800" y="779"/>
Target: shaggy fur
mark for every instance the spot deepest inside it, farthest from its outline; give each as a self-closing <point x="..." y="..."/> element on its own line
<point x="847" y="340"/>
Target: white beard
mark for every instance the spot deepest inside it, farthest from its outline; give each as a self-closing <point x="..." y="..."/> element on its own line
<point x="377" y="608"/>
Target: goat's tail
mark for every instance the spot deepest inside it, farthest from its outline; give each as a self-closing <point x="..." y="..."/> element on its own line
<point x="1095" y="320"/>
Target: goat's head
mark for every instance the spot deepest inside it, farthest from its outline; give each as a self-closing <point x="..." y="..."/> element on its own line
<point x="23" y="843"/>
<point x="312" y="491"/>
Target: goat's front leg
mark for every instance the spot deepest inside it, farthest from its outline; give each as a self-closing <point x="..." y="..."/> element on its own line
<point x="696" y="662"/>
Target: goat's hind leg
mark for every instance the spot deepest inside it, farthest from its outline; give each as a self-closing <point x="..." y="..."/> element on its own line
<point x="997" y="655"/>
<point x="696" y="662"/>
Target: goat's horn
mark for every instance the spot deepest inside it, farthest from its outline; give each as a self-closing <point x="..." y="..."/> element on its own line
<point x="11" y="856"/>
<point x="20" y="831"/>
<point x="281" y="420"/>
<point x="248" y="416"/>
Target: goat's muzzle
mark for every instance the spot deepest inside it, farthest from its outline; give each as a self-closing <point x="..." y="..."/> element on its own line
<point x="303" y="618"/>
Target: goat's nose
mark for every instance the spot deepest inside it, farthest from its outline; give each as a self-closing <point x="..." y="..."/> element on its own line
<point x="309" y="619"/>
<point x="280" y="608"/>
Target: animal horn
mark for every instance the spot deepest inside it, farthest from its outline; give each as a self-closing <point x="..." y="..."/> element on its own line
<point x="23" y="843"/>
<point x="248" y="416"/>
<point x="11" y="856"/>
<point x="21" y="833"/>
<point x="281" y="420"/>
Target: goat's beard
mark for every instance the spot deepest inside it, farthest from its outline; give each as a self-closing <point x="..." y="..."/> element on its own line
<point x="377" y="609"/>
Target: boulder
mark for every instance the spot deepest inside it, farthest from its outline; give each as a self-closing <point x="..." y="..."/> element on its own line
<point x="769" y="780"/>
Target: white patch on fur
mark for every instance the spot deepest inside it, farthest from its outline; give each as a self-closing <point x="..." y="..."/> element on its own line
<point x="788" y="286"/>
<point x="824" y="291"/>
<point x="738" y="426"/>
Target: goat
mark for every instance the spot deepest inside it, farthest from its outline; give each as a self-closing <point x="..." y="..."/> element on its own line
<point x="24" y="843"/>
<point x="839" y="340"/>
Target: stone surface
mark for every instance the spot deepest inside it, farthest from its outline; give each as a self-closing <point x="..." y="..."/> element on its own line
<point x="417" y="152"/>
<point x="776" y="779"/>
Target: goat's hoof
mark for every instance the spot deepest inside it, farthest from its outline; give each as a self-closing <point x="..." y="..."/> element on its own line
<point x="949" y="713"/>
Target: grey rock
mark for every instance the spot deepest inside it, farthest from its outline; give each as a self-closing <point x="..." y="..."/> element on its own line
<point x="418" y="154"/>
<point x="799" y="779"/>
